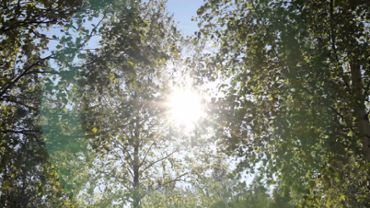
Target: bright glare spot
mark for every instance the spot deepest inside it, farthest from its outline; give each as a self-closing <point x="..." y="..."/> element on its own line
<point x="185" y="108"/>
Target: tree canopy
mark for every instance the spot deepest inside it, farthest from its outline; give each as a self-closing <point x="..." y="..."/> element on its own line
<point x="107" y="104"/>
<point x="298" y="97"/>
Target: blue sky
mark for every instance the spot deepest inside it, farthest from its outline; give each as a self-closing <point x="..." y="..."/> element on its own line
<point x="183" y="11"/>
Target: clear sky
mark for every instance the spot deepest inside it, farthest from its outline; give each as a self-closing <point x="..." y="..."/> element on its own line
<point x="183" y="11"/>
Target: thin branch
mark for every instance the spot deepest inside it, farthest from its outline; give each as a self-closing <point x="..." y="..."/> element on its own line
<point x="159" y="160"/>
<point x="25" y="72"/>
<point x="24" y="131"/>
<point x="146" y="153"/>
<point x="333" y="42"/>
<point x="178" y="178"/>
<point x="171" y="181"/>
<point x="124" y="162"/>
<point x="16" y="101"/>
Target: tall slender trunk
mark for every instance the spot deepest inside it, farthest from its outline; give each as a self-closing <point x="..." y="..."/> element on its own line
<point x="136" y="171"/>
<point x="136" y="194"/>
<point x="362" y="120"/>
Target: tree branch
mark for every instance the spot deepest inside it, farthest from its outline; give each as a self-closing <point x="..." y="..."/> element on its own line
<point x="159" y="160"/>
<point x="25" y="72"/>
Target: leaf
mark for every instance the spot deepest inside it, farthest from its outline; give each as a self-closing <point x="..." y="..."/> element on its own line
<point x="94" y="130"/>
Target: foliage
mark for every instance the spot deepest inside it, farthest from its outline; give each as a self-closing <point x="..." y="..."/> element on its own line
<point x="297" y="99"/>
<point x="83" y="112"/>
<point x="121" y="89"/>
<point x="29" y="98"/>
<point x="27" y="178"/>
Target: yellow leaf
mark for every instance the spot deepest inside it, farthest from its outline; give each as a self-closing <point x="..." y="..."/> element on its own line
<point x="342" y="197"/>
<point x="94" y="130"/>
<point x="130" y="63"/>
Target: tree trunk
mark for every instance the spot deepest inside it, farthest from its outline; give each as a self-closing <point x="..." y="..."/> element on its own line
<point x="362" y="120"/>
<point x="136" y="194"/>
<point x="136" y="166"/>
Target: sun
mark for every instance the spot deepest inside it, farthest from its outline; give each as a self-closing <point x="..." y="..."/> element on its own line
<point x="185" y="108"/>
